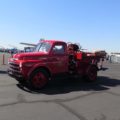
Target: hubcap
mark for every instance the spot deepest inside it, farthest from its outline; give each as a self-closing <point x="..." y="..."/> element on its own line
<point x="39" y="80"/>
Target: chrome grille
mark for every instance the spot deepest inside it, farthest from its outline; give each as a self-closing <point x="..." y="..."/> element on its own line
<point x="15" y="69"/>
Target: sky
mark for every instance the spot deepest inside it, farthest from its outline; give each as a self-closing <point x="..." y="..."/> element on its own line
<point x="94" y="24"/>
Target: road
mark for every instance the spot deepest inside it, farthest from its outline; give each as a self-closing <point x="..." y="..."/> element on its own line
<point x="63" y="99"/>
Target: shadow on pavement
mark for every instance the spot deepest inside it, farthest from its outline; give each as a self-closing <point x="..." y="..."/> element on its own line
<point x="104" y="69"/>
<point x="67" y="86"/>
<point x="3" y="72"/>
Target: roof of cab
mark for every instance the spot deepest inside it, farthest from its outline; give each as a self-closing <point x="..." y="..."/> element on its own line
<point x="54" y="41"/>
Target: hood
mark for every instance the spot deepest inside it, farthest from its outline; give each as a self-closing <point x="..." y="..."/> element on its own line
<point x="30" y="55"/>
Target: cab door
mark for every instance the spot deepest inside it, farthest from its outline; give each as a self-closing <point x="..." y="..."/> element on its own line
<point x="59" y="58"/>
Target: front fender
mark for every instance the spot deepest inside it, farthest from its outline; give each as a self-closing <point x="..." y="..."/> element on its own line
<point x="37" y="66"/>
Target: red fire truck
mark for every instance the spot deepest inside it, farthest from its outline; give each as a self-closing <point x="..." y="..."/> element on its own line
<point x="52" y="58"/>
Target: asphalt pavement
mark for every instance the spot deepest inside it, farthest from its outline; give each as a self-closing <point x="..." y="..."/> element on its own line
<point x="63" y="99"/>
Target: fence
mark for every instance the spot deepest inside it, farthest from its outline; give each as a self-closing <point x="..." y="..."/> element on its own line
<point x="114" y="59"/>
<point x="4" y="58"/>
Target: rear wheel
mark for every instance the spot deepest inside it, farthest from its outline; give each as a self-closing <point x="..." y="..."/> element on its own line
<point x="91" y="74"/>
<point x="38" y="79"/>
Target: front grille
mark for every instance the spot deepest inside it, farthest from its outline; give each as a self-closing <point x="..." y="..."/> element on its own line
<point x="15" y="69"/>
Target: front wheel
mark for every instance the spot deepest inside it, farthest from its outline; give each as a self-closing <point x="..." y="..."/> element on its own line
<point x="38" y="79"/>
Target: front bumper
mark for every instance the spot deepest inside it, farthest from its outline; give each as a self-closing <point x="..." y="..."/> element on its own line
<point x="14" y="74"/>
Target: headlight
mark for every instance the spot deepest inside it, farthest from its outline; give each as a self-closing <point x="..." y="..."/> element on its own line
<point x="27" y="64"/>
<point x="20" y="65"/>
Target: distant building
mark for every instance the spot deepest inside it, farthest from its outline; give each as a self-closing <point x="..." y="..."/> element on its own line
<point x="114" y="57"/>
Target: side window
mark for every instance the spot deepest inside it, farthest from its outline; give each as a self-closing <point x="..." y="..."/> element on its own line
<point x="58" y="49"/>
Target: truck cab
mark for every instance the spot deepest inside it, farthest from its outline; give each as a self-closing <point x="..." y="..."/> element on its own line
<point x="48" y="59"/>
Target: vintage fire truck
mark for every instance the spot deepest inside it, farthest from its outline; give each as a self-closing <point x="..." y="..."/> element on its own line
<point x="53" y="58"/>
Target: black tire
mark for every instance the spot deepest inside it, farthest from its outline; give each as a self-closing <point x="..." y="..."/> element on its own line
<point x="38" y="79"/>
<point x="91" y="74"/>
<point x="21" y="80"/>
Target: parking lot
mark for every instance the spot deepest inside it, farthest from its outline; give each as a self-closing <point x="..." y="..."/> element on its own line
<point x="63" y="99"/>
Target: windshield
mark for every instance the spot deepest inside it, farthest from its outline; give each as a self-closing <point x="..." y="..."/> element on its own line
<point x="43" y="47"/>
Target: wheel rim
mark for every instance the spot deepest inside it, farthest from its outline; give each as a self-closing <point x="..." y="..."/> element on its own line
<point x="92" y="73"/>
<point x="39" y="80"/>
